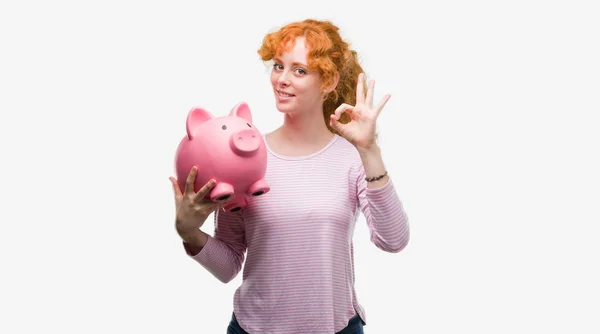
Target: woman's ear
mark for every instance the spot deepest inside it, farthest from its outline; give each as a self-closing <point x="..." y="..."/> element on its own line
<point x="336" y="79"/>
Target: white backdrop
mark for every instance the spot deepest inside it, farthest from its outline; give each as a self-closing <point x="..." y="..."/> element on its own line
<point x="489" y="136"/>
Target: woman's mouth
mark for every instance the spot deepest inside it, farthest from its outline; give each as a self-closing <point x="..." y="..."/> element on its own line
<point x="284" y="94"/>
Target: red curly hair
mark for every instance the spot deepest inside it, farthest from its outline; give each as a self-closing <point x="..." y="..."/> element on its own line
<point x="328" y="54"/>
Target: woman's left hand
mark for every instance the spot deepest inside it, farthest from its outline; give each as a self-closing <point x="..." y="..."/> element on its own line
<point x="360" y="131"/>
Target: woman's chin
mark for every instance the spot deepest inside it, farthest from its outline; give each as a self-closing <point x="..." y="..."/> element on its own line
<point x="284" y="107"/>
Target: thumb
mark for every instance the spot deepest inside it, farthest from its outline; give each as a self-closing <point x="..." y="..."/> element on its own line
<point x="334" y="123"/>
<point x="175" y="186"/>
<point x="176" y="190"/>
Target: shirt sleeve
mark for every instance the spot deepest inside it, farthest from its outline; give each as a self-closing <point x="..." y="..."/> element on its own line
<point x="384" y="214"/>
<point x="224" y="252"/>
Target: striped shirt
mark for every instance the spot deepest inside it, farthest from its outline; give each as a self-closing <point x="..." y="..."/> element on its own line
<point x="296" y="240"/>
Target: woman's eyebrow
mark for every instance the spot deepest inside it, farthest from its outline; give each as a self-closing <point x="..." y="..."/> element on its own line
<point x="294" y="63"/>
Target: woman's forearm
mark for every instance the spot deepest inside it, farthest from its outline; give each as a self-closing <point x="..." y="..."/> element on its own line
<point x="194" y="242"/>
<point x="373" y="164"/>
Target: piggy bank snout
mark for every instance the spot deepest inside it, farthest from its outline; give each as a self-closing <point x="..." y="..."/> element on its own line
<point x="245" y="142"/>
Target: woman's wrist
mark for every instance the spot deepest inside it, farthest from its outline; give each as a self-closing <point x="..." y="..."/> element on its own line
<point x="194" y="241"/>
<point x="375" y="172"/>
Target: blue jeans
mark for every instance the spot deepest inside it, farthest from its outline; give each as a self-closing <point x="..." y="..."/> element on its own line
<point x="355" y="326"/>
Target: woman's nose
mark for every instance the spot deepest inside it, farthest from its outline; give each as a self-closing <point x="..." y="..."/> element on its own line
<point x="283" y="79"/>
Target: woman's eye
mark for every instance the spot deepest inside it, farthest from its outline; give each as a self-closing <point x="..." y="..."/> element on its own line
<point x="277" y="66"/>
<point x="301" y="71"/>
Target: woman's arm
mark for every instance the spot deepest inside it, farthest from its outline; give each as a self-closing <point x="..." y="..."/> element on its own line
<point x="221" y="254"/>
<point x="379" y="202"/>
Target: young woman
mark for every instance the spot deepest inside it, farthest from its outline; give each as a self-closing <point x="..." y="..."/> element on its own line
<point x="324" y="168"/>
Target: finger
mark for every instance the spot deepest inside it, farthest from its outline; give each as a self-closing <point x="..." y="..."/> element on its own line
<point x="201" y="195"/>
<point x="344" y="107"/>
<point x="224" y="202"/>
<point x="382" y="104"/>
<point x="333" y="122"/>
<point x="336" y="125"/>
<point x="207" y="209"/>
<point x="176" y="188"/>
<point x="191" y="179"/>
<point x="370" y="92"/>
<point x="212" y="207"/>
<point x="360" y="89"/>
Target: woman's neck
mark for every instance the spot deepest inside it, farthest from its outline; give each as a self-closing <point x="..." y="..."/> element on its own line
<point x="305" y="130"/>
<point x="300" y="135"/>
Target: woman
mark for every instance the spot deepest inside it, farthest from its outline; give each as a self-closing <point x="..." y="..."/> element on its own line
<point x="324" y="168"/>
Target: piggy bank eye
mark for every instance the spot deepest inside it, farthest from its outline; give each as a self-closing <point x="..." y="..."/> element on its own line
<point x="249" y="125"/>
<point x="224" y="127"/>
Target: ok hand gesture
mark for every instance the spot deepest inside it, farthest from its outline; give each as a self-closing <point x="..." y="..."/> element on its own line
<point x="360" y="131"/>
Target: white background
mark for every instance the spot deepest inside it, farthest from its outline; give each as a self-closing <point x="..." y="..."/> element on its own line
<point x="490" y="136"/>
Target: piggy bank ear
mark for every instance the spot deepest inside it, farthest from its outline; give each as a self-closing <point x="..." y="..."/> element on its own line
<point x="242" y="110"/>
<point x="195" y="117"/>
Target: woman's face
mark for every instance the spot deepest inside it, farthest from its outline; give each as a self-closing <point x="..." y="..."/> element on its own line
<point x="296" y="88"/>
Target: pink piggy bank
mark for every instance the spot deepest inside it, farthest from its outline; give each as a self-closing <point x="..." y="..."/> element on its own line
<point x="229" y="149"/>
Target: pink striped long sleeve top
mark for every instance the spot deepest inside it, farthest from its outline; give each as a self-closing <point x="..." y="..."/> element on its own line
<point x="296" y="240"/>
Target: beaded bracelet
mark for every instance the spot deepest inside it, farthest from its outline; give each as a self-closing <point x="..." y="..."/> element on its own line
<point x="375" y="178"/>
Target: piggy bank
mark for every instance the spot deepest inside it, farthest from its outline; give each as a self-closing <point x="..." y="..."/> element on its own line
<point x="228" y="149"/>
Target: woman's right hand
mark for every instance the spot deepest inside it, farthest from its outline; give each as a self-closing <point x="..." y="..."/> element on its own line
<point x="193" y="208"/>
